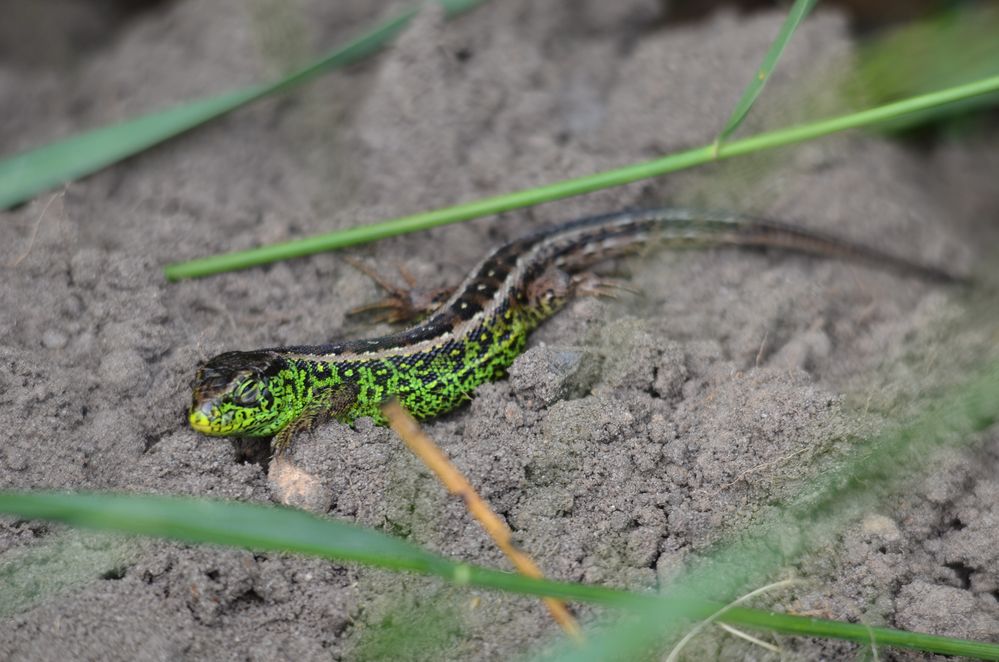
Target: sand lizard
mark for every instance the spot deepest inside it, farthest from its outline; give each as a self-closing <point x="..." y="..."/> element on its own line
<point x="475" y="335"/>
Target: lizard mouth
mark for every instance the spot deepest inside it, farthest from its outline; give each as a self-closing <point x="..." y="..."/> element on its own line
<point x="202" y="420"/>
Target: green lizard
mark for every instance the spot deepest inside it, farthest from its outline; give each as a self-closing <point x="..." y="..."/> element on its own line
<point x="476" y="334"/>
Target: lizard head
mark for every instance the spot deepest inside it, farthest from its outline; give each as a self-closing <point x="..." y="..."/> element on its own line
<point x="242" y="394"/>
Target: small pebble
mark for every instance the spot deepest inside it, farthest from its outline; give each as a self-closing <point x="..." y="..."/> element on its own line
<point x="53" y="339"/>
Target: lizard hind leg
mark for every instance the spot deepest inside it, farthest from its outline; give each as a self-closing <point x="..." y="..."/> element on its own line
<point x="549" y="291"/>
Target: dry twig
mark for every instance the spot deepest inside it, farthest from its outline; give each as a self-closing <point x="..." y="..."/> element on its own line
<point x="417" y="441"/>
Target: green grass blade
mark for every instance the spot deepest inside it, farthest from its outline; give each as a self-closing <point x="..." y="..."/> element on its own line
<point x="270" y="528"/>
<point x="27" y="174"/>
<point x="799" y="11"/>
<point x="234" y="524"/>
<point x="865" y="118"/>
<point x="572" y="187"/>
<point x="267" y="528"/>
<point x="24" y="175"/>
<point x="863" y="634"/>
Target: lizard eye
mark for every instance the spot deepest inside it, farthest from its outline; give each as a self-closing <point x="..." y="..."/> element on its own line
<point x="247" y="395"/>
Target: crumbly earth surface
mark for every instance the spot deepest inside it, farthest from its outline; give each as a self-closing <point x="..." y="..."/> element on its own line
<point x="632" y="434"/>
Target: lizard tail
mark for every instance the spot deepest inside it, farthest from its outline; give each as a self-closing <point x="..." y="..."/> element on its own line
<point x="767" y="233"/>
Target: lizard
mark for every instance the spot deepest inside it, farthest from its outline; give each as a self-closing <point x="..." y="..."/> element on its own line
<point x="475" y="335"/>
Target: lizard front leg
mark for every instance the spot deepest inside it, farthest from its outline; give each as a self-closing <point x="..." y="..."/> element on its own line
<point x="401" y="303"/>
<point x="331" y="405"/>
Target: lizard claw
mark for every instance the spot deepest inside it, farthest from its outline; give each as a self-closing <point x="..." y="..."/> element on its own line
<point x="592" y="285"/>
